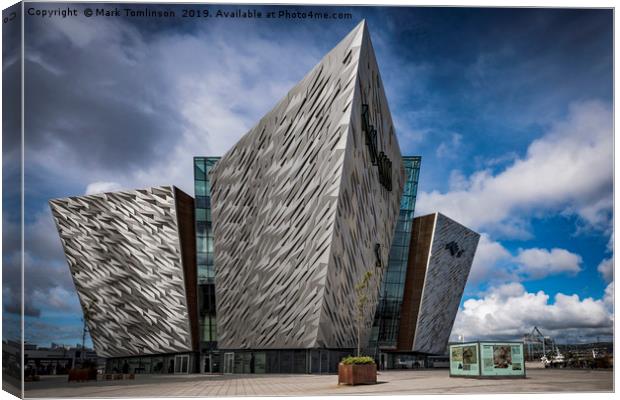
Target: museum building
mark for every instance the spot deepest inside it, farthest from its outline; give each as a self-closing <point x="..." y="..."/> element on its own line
<point x="257" y="274"/>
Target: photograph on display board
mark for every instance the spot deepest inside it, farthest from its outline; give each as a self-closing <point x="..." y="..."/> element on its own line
<point x="502" y="356"/>
<point x="469" y="355"/>
<point x="457" y="354"/>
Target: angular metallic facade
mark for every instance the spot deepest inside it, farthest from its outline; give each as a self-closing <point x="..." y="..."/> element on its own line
<point x="304" y="204"/>
<point x="132" y="257"/>
<point x="440" y="258"/>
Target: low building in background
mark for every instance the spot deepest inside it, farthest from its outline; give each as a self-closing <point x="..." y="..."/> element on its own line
<point x="132" y="258"/>
<point x="58" y="359"/>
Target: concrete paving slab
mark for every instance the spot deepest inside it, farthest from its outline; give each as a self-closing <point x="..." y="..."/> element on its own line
<point x="402" y="382"/>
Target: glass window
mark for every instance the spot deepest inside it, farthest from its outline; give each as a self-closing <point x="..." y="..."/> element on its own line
<point x="205" y="327"/>
<point x="200" y="188"/>
<point x="203" y="274"/>
<point x="201" y="258"/>
<point x="157" y="365"/>
<point x="210" y="273"/>
<point x="239" y="363"/>
<point x="201" y="214"/>
<point x="146" y="365"/>
<point x="185" y="362"/>
<point x="273" y="366"/>
<point x="286" y="361"/>
<point x="299" y="362"/>
<point x="201" y="245"/>
<point x="202" y="201"/>
<point x="260" y="361"/>
<point x="201" y="226"/>
<point x="199" y="171"/>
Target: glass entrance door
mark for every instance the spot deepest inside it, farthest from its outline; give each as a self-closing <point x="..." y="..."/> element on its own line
<point x="229" y="363"/>
<point x="207" y="364"/>
<point x="181" y="364"/>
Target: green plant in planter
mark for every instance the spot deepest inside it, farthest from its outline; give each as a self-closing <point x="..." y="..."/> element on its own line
<point x="357" y="360"/>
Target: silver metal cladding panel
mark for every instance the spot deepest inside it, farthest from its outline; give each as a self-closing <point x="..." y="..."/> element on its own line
<point x="124" y="253"/>
<point x="367" y="213"/>
<point x="451" y="255"/>
<point x="297" y="208"/>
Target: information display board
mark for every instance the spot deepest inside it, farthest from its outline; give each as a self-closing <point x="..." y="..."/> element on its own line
<point x="464" y="359"/>
<point x="487" y="359"/>
<point x="502" y="359"/>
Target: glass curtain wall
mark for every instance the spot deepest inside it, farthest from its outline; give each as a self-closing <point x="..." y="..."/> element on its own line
<point x="385" y="328"/>
<point x="204" y="252"/>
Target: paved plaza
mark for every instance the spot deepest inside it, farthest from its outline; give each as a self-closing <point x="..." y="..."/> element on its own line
<point x="391" y="382"/>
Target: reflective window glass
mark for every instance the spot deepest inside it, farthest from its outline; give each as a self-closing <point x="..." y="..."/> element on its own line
<point x="200" y="188"/>
<point x="199" y="173"/>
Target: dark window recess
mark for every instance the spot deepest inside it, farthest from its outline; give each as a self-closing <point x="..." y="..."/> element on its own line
<point x="365" y="118"/>
<point x="378" y="255"/>
<point x="385" y="171"/>
<point x="380" y="159"/>
<point x="455" y="250"/>
<point x="207" y="299"/>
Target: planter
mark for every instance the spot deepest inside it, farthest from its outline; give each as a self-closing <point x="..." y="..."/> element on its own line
<point x="357" y="374"/>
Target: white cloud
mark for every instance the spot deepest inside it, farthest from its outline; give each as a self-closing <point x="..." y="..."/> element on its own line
<point x="102" y="187"/>
<point x="606" y="269"/>
<point x="449" y="148"/>
<point x="494" y="264"/>
<point x="509" y="311"/>
<point x="457" y="180"/>
<point x="569" y="170"/>
<point x="490" y="262"/>
<point x="606" y="266"/>
<point x="609" y="296"/>
<point x="537" y="263"/>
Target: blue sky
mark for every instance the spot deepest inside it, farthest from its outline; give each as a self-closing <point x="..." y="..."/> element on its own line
<point x="509" y="108"/>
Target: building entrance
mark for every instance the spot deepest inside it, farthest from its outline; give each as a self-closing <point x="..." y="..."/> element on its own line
<point x="229" y="363"/>
<point x="206" y="364"/>
<point x="384" y="361"/>
<point x="181" y="364"/>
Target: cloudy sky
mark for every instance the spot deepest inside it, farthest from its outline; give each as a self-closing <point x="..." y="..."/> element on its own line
<point x="511" y="110"/>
